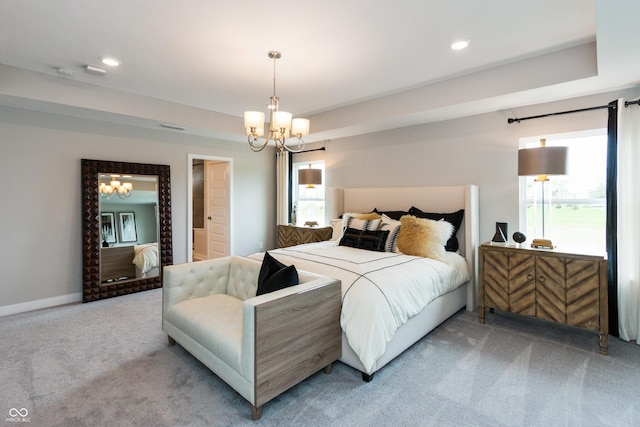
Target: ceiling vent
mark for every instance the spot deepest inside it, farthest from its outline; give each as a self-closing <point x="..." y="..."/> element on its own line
<point x="95" y="70"/>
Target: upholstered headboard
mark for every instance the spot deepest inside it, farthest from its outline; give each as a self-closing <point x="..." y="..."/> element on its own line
<point x="429" y="199"/>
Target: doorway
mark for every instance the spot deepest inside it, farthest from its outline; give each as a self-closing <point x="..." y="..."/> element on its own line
<point x="209" y="216"/>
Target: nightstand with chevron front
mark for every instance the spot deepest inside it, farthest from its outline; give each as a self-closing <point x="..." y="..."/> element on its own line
<point x="291" y="235"/>
<point x="562" y="287"/>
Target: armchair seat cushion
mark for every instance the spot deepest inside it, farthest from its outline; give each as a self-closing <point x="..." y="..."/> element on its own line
<point x="215" y="321"/>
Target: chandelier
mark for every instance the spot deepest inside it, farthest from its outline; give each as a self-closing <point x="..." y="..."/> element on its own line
<point x="281" y="125"/>
<point x="115" y="187"/>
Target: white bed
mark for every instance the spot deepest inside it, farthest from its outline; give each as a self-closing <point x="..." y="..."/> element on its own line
<point x="395" y="335"/>
<point x="145" y="258"/>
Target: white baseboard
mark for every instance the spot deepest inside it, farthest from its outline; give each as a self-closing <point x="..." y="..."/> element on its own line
<point x="41" y="303"/>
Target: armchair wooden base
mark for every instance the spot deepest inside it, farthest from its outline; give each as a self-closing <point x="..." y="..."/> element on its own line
<point x="295" y="337"/>
<point x="256" y="411"/>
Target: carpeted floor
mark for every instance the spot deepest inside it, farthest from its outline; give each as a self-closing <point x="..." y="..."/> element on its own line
<point x="107" y="363"/>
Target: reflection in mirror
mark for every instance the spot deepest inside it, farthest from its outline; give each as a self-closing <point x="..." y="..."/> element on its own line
<point x="129" y="227"/>
<point x="126" y="227"/>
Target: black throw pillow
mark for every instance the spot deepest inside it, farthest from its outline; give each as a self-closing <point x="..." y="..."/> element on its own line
<point x="392" y="214"/>
<point x="281" y="279"/>
<point x="269" y="268"/>
<point x="455" y="218"/>
<point x="365" y="239"/>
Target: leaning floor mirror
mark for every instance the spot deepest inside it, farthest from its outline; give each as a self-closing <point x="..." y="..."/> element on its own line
<point x="126" y="227"/>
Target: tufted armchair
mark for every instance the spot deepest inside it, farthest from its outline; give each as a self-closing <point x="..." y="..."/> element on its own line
<point x="260" y="346"/>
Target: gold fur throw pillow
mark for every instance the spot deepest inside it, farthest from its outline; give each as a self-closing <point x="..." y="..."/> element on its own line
<point x="423" y="237"/>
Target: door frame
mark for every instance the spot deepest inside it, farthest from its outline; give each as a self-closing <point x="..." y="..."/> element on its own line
<point x="190" y="159"/>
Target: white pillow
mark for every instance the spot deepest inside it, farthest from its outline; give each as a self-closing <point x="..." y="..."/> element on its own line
<point x="336" y="224"/>
<point x="350" y="221"/>
<point x="394" y="230"/>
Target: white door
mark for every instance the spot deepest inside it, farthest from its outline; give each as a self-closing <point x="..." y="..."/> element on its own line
<point x="217" y="202"/>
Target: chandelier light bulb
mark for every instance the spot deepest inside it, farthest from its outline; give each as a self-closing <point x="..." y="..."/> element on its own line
<point x="300" y="127"/>
<point x="282" y="120"/>
<point x="253" y="119"/>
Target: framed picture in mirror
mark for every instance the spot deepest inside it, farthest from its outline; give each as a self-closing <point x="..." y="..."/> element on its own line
<point x="108" y="227"/>
<point x="128" y="231"/>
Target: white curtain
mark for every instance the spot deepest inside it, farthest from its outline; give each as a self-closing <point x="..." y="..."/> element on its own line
<point x="282" y="188"/>
<point x="628" y="183"/>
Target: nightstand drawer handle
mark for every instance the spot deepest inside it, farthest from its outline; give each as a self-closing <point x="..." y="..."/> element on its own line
<point x="542" y="279"/>
<point x="529" y="277"/>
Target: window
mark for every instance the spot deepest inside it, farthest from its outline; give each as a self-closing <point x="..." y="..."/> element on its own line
<point x="578" y="199"/>
<point x="308" y="202"/>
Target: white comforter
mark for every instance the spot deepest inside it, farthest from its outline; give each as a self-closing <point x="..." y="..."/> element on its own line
<point x="380" y="290"/>
<point x="145" y="256"/>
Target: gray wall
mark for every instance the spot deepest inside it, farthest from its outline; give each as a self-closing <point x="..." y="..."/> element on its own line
<point x="40" y="156"/>
<point x="480" y="150"/>
<point x="40" y="248"/>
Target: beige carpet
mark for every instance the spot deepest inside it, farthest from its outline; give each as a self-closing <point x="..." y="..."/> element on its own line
<point x="107" y="363"/>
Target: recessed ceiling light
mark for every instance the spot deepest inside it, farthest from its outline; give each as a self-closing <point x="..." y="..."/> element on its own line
<point x="111" y="62"/>
<point x="459" y="44"/>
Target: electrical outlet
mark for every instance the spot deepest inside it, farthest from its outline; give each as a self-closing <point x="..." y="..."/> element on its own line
<point x="260" y="245"/>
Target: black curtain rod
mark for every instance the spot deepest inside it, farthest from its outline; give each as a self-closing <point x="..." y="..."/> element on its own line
<point x="308" y="151"/>
<point x="556" y="114"/>
<point x="599" y="107"/>
<point x="305" y="151"/>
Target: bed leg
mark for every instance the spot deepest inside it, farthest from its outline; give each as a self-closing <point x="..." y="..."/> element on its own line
<point x="367" y="377"/>
<point x="256" y="412"/>
<point x="171" y="341"/>
<point x="327" y="369"/>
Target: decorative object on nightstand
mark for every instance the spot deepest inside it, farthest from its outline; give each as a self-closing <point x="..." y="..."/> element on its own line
<point x="519" y="237"/>
<point x="542" y="244"/>
<point x="542" y="161"/>
<point x="501" y="233"/>
<point x="567" y="288"/>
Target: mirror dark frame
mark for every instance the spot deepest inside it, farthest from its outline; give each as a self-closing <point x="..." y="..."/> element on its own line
<point x="92" y="290"/>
